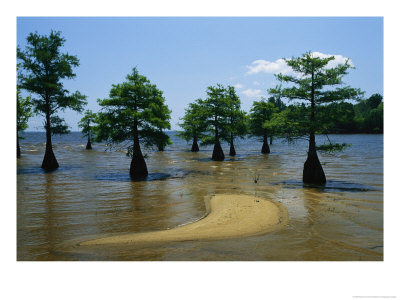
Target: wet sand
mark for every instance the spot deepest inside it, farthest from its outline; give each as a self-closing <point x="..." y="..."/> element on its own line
<point x="228" y="216"/>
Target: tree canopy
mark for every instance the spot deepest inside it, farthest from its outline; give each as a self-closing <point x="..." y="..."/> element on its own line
<point x="260" y="113"/>
<point x="134" y="113"/>
<point x="193" y="124"/>
<point x="86" y="124"/>
<point x="24" y="112"/>
<point x="237" y="120"/>
<point x="311" y="84"/>
<point x="215" y="117"/>
<point x="44" y="70"/>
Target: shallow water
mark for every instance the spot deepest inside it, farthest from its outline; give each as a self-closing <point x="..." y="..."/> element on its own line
<point x="91" y="195"/>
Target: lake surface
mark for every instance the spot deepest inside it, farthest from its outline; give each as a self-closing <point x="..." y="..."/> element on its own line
<point x="91" y="195"/>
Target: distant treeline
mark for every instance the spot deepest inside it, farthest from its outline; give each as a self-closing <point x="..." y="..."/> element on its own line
<point x="364" y="117"/>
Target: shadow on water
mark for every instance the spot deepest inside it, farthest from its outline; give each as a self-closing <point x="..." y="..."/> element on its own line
<point x="126" y="177"/>
<point x="177" y="173"/>
<point x="238" y="157"/>
<point x="39" y="170"/>
<point x="330" y="186"/>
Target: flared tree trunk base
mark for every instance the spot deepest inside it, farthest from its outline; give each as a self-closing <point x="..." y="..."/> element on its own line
<point x="195" y="147"/>
<point x="232" y="151"/>
<point x="49" y="161"/>
<point x="218" y="154"/>
<point x="313" y="172"/>
<point x="18" y="150"/>
<point x="89" y="146"/>
<point x="138" y="169"/>
<point x="265" y="148"/>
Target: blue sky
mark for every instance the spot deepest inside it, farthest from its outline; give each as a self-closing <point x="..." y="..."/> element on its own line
<point x="183" y="56"/>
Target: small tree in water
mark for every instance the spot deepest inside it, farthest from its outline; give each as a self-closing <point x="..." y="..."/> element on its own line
<point x="193" y="124"/>
<point x="310" y="85"/>
<point x="45" y="68"/>
<point x="215" y="116"/>
<point x="162" y="116"/>
<point x="24" y="111"/>
<point x="86" y="124"/>
<point x="236" y="120"/>
<point x="131" y="115"/>
<point x="260" y="113"/>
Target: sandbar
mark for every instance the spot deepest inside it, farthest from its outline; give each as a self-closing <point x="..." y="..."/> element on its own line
<point x="227" y="216"/>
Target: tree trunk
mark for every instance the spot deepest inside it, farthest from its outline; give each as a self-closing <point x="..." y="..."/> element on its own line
<point x="232" y="151"/>
<point x="160" y="146"/>
<point x="138" y="169"/>
<point x="49" y="161"/>
<point x="312" y="171"/>
<point x="89" y="144"/>
<point x="265" y="147"/>
<point x="195" y="146"/>
<point x="270" y="139"/>
<point x="217" y="154"/>
<point x="18" y="148"/>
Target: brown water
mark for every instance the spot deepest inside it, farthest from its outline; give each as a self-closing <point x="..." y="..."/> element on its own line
<point x="91" y="195"/>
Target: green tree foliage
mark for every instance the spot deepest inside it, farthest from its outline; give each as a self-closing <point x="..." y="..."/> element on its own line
<point x="336" y="118"/>
<point x="193" y="124"/>
<point x="291" y="123"/>
<point x="369" y="114"/>
<point x="216" y="113"/>
<point x="281" y="106"/>
<point x="311" y="84"/>
<point x="134" y="113"/>
<point x="24" y="112"/>
<point x="161" y="119"/>
<point x="86" y="124"/>
<point x="45" y="69"/>
<point x="236" y="126"/>
<point x="260" y="113"/>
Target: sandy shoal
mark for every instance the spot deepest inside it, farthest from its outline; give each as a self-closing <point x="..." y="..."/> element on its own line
<point x="228" y="216"/>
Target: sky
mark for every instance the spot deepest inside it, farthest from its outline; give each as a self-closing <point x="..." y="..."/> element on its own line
<point x="185" y="55"/>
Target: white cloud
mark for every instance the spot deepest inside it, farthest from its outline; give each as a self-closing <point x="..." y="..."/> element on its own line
<point x="256" y="83"/>
<point x="339" y="59"/>
<point x="265" y="66"/>
<point x="280" y="66"/>
<point x="238" y="86"/>
<point x="252" y="93"/>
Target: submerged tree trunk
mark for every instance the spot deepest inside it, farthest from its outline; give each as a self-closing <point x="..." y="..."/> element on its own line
<point x="218" y="154"/>
<point x="18" y="148"/>
<point x="195" y="146"/>
<point x="232" y="151"/>
<point x="312" y="171"/>
<point x="138" y="167"/>
<point x="160" y="145"/>
<point x="89" y="144"/>
<point x="49" y="161"/>
<point x="265" y="147"/>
